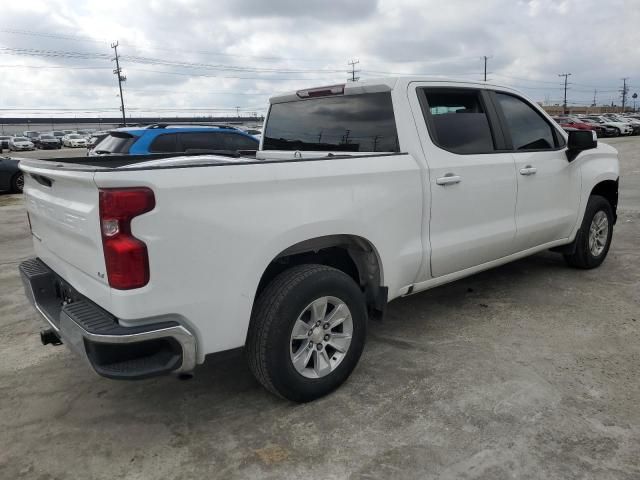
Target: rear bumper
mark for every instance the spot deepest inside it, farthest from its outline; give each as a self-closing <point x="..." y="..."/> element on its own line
<point x="112" y="350"/>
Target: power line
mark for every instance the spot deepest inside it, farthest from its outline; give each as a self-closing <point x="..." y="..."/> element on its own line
<point x="157" y="61"/>
<point x="81" y="38"/>
<point x="223" y="76"/>
<point x="67" y="67"/>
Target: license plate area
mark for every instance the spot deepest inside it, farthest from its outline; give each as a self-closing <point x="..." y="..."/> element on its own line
<point x="64" y="293"/>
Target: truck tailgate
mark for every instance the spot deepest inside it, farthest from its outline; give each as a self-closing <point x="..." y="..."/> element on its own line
<point x="64" y="214"/>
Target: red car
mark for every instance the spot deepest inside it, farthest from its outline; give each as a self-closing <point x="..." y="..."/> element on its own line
<point x="578" y="125"/>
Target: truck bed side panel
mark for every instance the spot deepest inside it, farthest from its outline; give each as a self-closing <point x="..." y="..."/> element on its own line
<point x="215" y="229"/>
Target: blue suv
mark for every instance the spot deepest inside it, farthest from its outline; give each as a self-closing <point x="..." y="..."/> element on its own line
<point x="163" y="138"/>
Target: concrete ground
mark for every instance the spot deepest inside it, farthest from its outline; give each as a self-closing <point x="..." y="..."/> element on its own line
<point x="528" y="371"/>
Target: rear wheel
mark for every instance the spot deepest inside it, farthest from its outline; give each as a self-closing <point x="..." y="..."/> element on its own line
<point x="594" y="237"/>
<point x="17" y="182"/>
<point x="307" y="332"/>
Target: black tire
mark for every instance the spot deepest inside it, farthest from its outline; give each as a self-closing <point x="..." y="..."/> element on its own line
<point x="616" y="132"/>
<point x="274" y="315"/>
<point x="17" y="182"/>
<point x="583" y="257"/>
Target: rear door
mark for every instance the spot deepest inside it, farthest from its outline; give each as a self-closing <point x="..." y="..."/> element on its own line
<point x="548" y="185"/>
<point x="472" y="179"/>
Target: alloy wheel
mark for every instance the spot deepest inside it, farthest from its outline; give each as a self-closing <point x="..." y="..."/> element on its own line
<point x="321" y="337"/>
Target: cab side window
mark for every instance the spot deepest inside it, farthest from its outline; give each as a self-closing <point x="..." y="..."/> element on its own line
<point x="528" y="129"/>
<point x="457" y="120"/>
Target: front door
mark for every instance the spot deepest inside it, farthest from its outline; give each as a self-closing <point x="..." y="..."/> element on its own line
<point x="548" y="185"/>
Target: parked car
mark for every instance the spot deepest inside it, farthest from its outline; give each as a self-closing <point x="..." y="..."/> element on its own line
<point x="578" y="125"/>
<point x="162" y="138"/>
<point x="607" y="131"/>
<point x="20" y="143"/>
<point x="361" y="193"/>
<point x="58" y="134"/>
<point x="4" y="141"/>
<point x="11" y="178"/>
<point x="31" y="135"/>
<point x="74" y="140"/>
<point x="47" y="142"/>
<point x="84" y="133"/>
<point x="635" y="124"/>
<point x="69" y="132"/>
<point x="621" y="127"/>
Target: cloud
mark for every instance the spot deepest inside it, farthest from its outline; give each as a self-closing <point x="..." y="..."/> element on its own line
<point x="252" y="49"/>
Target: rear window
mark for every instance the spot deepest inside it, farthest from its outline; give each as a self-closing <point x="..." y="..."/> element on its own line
<point x="457" y="120"/>
<point x="354" y="123"/>
<point x="116" y="143"/>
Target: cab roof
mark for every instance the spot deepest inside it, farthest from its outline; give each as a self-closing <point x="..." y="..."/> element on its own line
<point x="375" y="85"/>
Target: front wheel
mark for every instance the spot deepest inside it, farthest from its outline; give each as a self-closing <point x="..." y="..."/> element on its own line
<point x="307" y="332"/>
<point x="17" y="183"/>
<point x="594" y="237"/>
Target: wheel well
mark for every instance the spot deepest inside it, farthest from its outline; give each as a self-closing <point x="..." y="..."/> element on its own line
<point x="609" y="190"/>
<point x="351" y="254"/>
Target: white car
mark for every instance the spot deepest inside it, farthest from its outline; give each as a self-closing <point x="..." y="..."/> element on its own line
<point x="622" y="127"/>
<point x="360" y="193"/>
<point x="20" y="143"/>
<point x="74" y="140"/>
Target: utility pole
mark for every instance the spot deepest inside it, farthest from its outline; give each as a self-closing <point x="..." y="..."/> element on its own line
<point x="595" y="93"/>
<point x="624" y="92"/>
<point x="485" y="67"/>
<point x="353" y="64"/>
<point x="564" y="104"/>
<point x="375" y="142"/>
<point x="121" y="78"/>
<point x="237" y="111"/>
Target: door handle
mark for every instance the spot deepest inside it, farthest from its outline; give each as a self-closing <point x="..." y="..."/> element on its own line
<point x="449" y="179"/>
<point x="528" y="170"/>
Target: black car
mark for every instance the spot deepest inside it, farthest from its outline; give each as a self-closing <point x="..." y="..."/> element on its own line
<point x="47" y="142"/>
<point x="4" y="142"/>
<point x="11" y="178"/>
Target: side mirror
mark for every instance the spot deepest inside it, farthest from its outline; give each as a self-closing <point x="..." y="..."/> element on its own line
<point x="580" y="140"/>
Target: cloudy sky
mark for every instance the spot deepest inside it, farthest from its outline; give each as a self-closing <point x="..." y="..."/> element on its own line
<point x="197" y="56"/>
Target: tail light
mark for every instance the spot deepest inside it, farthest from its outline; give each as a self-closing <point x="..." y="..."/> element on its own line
<point x="125" y="256"/>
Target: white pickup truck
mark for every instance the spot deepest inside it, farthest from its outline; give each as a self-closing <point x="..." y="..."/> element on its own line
<point x="359" y="194"/>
